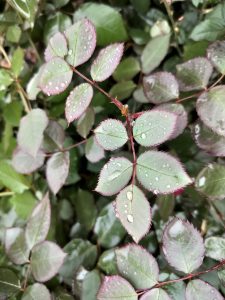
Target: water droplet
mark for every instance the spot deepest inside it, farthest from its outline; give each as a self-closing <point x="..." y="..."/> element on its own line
<point x="130" y="218"/>
<point x="157" y="178"/>
<point x="143" y="136"/>
<point x="70" y="52"/>
<point x="201" y="181"/>
<point x="168" y="186"/>
<point x="129" y="195"/>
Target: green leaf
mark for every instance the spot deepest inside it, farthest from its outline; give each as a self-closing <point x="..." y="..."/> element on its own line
<point x="215" y="248"/>
<point x="11" y="179"/>
<point x="9" y="283"/>
<point x="211" y="109"/>
<point x="114" y="176"/>
<point x="111" y="134"/>
<point x="36" y="291"/>
<point x="90" y="285"/>
<point x="12" y="113"/>
<point x="139" y="95"/>
<point x="160" y="87"/>
<point x="30" y="134"/>
<point x="23" y="204"/>
<point x="194" y="74"/>
<point x="93" y="151"/>
<point x="183" y="246"/>
<point x="122" y="90"/>
<point x="208" y="140"/>
<point x="134" y="212"/>
<point x="5" y="79"/>
<point x="115" y="287"/>
<point x="104" y="18"/>
<point x="17" y="62"/>
<point x="127" y="69"/>
<point x="33" y="88"/>
<point x="21" y="6"/>
<point x="158" y="294"/>
<point x="81" y="39"/>
<point x="25" y="163"/>
<point x="86" y="122"/>
<point x="108" y="229"/>
<point x="39" y="222"/>
<point x="107" y="262"/>
<point x="154" y="127"/>
<point x="85" y="209"/>
<point x="154" y="53"/>
<point x="215" y="54"/>
<point x="57" y="170"/>
<point x="78" y="101"/>
<point x="54" y="137"/>
<point x="55" y="76"/>
<point x="161" y="173"/>
<point x="13" y="34"/>
<point x="106" y="62"/>
<point x="57" y="46"/>
<point x="199" y="289"/>
<point x="141" y="6"/>
<point x="16" y="246"/>
<point x="211" y="181"/>
<point x="46" y="260"/>
<point x="138" y="266"/>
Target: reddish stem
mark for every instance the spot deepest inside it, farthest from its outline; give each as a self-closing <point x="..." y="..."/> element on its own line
<point x="131" y="138"/>
<point x="66" y="149"/>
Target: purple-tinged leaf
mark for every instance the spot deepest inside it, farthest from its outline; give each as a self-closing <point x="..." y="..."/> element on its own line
<point x="211" y="109"/>
<point x="211" y="181"/>
<point x="38" y="223"/>
<point x="154" y="127"/>
<point x="198" y="289"/>
<point x="154" y="294"/>
<point x="114" y="176"/>
<point x="78" y="101"/>
<point x="160" y="87"/>
<point x="46" y="260"/>
<point x="134" y="212"/>
<point x="137" y="265"/>
<point x="215" y="247"/>
<point x="54" y="137"/>
<point x="180" y="112"/>
<point x="30" y="134"/>
<point x="16" y="246"/>
<point x="116" y="287"/>
<point x="55" y="77"/>
<point x="93" y="151"/>
<point x="57" y="46"/>
<point x="183" y="246"/>
<point x="161" y="173"/>
<point x="208" y="140"/>
<point x="215" y="54"/>
<point x="57" y="170"/>
<point x="139" y="95"/>
<point x="111" y="134"/>
<point x="106" y="62"/>
<point x="24" y="163"/>
<point x="36" y="291"/>
<point x="194" y="74"/>
<point x="33" y="88"/>
<point x="85" y="123"/>
<point x="81" y="39"/>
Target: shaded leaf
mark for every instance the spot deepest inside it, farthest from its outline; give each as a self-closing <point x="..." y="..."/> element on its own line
<point x="199" y="289"/>
<point x="16" y="246"/>
<point x="30" y="134"/>
<point x="54" y="137"/>
<point x="158" y="294"/>
<point x="183" y="246"/>
<point x="122" y="90"/>
<point x="154" y="52"/>
<point x="81" y="39"/>
<point x="57" y="170"/>
<point x="115" y="287"/>
<point x="5" y="79"/>
<point x="211" y="181"/>
<point x="25" y="163"/>
<point x="38" y="223"/>
<point x="33" y="88"/>
<point x="106" y="62"/>
<point x="36" y="291"/>
<point x="215" y="54"/>
<point x="211" y="109"/>
<point x="90" y="285"/>
<point x="139" y="95"/>
<point x="85" y="122"/>
<point x="161" y="173"/>
<point x="21" y="6"/>
<point x="9" y="283"/>
<point x="114" y="176"/>
<point x="160" y="87"/>
<point x="57" y="46"/>
<point x="134" y="212"/>
<point x="215" y="248"/>
<point x="154" y="127"/>
<point x="17" y="61"/>
<point x="107" y="262"/>
<point x="23" y="204"/>
<point x="127" y="69"/>
<point x="46" y="260"/>
<point x="194" y="74"/>
<point x="93" y="151"/>
<point x="55" y="77"/>
<point x="78" y="101"/>
<point x="111" y="134"/>
<point x="138" y="266"/>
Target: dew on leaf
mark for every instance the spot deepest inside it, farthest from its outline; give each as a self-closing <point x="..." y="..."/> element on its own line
<point x="130" y="218"/>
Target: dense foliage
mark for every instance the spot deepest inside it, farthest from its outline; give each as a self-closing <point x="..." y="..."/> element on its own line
<point x="112" y="174"/>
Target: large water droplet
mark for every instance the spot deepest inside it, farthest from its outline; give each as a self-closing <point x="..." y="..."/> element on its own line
<point x="130" y="218"/>
<point x="201" y="181"/>
<point x="143" y="136"/>
<point x="129" y="195"/>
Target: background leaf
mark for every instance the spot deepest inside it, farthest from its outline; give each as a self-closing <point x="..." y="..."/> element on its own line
<point x="93" y="151"/>
<point x="85" y="122"/>
<point x="127" y="69"/>
<point x="36" y="291"/>
<point x="9" y="282"/>
<point x="159" y="294"/>
<point x="215" y="248"/>
<point x="204" y="291"/>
